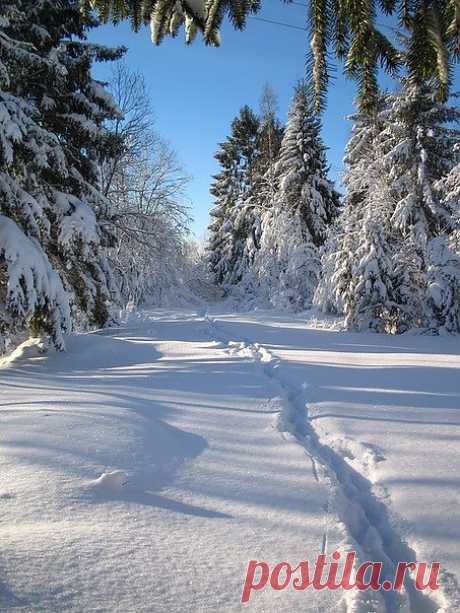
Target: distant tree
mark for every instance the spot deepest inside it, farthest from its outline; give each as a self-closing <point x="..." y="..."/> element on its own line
<point x="261" y="193"/>
<point x="145" y="185"/>
<point x="231" y="223"/>
<point x="303" y="205"/>
<point x="302" y="169"/>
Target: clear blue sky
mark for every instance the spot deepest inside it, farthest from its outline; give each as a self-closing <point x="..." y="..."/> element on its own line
<point x="196" y="90"/>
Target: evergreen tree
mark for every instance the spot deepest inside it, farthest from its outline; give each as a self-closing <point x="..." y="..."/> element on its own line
<point x="418" y="149"/>
<point x="286" y="268"/>
<point x="304" y="204"/>
<point x="418" y="146"/>
<point x="369" y="301"/>
<point x="350" y="32"/>
<point x="443" y="280"/>
<point x="230" y="228"/>
<point x="410" y="285"/>
<point x="269" y="138"/>
<point x="302" y="169"/>
<point x="259" y="198"/>
<point x="448" y="188"/>
<point x="53" y="215"/>
<point x="334" y="291"/>
<point x="166" y="17"/>
<point x="220" y="238"/>
<point x="397" y="163"/>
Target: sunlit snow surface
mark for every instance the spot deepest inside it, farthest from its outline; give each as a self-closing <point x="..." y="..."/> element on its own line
<point x="144" y="468"/>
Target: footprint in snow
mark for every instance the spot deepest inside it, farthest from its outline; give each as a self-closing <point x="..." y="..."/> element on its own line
<point x="7" y="496"/>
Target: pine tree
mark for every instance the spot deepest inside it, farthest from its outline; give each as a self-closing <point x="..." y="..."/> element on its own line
<point x="304" y="203"/>
<point x="334" y="290"/>
<point x="229" y="228"/>
<point x="443" y="281"/>
<point x="397" y="164"/>
<point x="302" y="169"/>
<point x="418" y="149"/>
<point x="349" y="32"/>
<point x="52" y="211"/>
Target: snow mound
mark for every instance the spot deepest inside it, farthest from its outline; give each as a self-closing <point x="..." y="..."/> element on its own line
<point x="112" y="481"/>
<point x="29" y="349"/>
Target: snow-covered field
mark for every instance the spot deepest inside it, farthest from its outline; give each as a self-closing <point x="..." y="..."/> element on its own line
<point x="144" y="468"/>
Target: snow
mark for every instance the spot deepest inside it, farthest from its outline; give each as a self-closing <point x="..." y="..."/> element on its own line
<point x="32" y="283"/>
<point x="145" y="467"/>
<point x="386" y="406"/>
<point x="114" y="480"/>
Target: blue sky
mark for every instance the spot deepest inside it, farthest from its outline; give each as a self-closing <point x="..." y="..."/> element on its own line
<point x="196" y="90"/>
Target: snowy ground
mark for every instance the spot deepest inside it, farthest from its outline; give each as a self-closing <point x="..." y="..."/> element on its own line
<point x="236" y="437"/>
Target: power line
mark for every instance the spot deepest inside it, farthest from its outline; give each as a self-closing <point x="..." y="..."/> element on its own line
<point x="293" y="27"/>
<point x="279" y="23"/>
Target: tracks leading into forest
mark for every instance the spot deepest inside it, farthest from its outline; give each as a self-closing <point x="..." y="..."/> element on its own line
<point x="365" y="517"/>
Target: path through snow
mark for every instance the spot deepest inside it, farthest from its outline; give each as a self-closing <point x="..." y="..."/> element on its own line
<point x="143" y="469"/>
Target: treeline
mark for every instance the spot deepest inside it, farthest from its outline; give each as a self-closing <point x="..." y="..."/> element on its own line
<point x="91" y="202"/>
<point x="273" y="205"/>
<point x="386" y="255"/>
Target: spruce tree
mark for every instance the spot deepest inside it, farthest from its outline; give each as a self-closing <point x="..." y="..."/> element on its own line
<point x="448" y="188"/>
<point x="400" y="159"/>
<point x="418" y="148"/>
<point x="349" y="32"/>
<point x="225" y="191"/>
<point x="369" y="298"/>
<point x="53" y="214"/>
<point x="443" y="291"/>
<point x="304" y="204"/>
<point x="302" y="169"/>
<point x="334" y="292"/>
<point x="409" y="284"/>
<point x="231" y="226"/>
<point x="260" y="196"/>
<point x="287" y="265"/>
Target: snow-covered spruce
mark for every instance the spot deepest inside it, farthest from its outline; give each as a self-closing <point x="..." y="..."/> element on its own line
<point x="259" y="199"/>
<point x="294" y="226"/>
<point x="404" y="157"/>
<point x="302" y="169"/>
<point x="230" y="225"/>
<point x="448" y="188"/>
<point x="287" y="265"/>
<point x="370" y="291"/>
<point x="333" y="293"/>
<point x="52" y="139"/>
